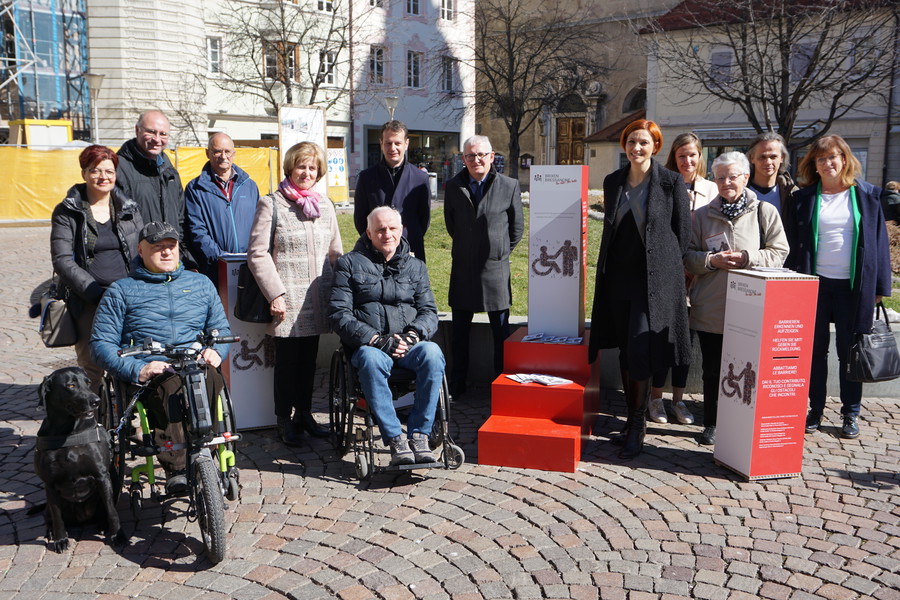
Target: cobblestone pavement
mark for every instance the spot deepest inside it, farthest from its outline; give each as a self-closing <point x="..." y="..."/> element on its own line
<point x="670" y="524"/>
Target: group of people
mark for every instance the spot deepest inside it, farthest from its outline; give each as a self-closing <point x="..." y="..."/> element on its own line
<point x="669" y="242"/>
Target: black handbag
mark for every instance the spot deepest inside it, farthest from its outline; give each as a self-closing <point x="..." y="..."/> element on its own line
<point x="251" y="305"/>
<point x="57" y="326"/>
<point x="874" y="356"/>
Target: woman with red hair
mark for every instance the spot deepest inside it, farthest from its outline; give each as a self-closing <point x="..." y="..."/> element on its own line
<point x="639" y="304"/>
<point x="93" y="237"/>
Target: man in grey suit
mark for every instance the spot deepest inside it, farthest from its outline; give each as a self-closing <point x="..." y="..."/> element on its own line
<point x="483" y="212"/>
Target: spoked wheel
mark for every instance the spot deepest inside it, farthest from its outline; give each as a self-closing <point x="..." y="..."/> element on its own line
<point x="210" y="508"/>
<point x="338" y="404"/>
<point x="109" y="413"/>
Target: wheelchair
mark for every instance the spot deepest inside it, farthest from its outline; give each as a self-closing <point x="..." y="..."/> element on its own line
<point x="353" y="425"/>
<point x="209" y="434"/>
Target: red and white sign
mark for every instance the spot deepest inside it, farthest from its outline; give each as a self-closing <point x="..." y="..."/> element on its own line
<point x="764" y="375"/>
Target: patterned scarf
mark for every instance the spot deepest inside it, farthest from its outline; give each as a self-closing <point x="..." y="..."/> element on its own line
<point x="733" y="210"/>
<point x="308" y="200"/>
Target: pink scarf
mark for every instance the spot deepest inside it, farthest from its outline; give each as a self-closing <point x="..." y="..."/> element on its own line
<point x="308" y="200"/>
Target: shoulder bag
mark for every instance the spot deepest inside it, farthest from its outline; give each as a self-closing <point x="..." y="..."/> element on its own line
<point x="250" y="304"/>
<point x="57" y="326"/>
<point x="874" y="356"/>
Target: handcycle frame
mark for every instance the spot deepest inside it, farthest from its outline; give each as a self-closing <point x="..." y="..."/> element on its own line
<point x="209" y="434"/>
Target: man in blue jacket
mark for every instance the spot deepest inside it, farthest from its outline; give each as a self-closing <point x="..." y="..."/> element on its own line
<point x="162" y="301"/>
<point x="388" y="323"/>
<point x="220" y="205"/>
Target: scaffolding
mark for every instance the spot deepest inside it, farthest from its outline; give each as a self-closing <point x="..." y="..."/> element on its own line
<point x="43" y="59"/>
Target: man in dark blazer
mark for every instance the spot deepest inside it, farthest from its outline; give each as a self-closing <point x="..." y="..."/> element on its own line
<point x="395" y="182"/>
<point x="483" y="212"/>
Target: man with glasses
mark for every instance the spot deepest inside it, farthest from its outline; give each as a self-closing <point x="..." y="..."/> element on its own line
<point x="146" y="175"/>
<point x="483" y="212"/>
<point x="395" y="182"/>
<point x="220" y="203"/>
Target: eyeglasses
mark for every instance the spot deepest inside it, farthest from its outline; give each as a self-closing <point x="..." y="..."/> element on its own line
<point x="824" y="160"/>
<point x="220" y="153"/>
<point x="728" y="178"/>
<point x="97" y="173"/>
<point x="479" y="156"/>
<point x="163" y="135"/>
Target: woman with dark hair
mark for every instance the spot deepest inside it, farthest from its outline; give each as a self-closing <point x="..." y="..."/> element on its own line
<point x="296" y="280"/>
<point x="639" y="302"/>
<point x="93" y="237"/>
<point x="836" y="230"/>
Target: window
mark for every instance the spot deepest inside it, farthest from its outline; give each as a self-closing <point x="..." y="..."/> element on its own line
<point x="326" y="67"/>
<point x="326" y="5"/>
<point x="376" y="65"/>
<point x="447" y="9"/>
<point x="448" y="67"/>
<point x="412" y="7"/>
<point x="801" y="58"/>
<point x="270" y="61"/>
<point x="279" y="65"/>
<point x="864" y="55"/>
<point x="414" y="69"/>
<point x="720" y="67"/>
<point x="214" y="55"/>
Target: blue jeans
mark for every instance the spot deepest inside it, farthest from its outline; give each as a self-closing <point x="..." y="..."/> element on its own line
<point x="373" y="367"/>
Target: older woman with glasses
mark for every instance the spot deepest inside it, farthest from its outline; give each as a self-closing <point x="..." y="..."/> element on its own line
<point x="836" y="230"/>
<point x="93" y="237"/>
<point x="734" y="231"/>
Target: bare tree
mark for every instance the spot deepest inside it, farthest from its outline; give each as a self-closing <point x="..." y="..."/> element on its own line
<point x="286" y="52"/>
<point x="773" y="59"/>
<point x="529" y="57"/>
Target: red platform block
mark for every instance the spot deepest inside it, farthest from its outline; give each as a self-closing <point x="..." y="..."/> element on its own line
<point x="529" y="444"/>
<point x="535" y="401"/>
<point x="563" y="360"/>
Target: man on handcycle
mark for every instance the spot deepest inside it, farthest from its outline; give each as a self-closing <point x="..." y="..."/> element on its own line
<point x="160" y="300"/>
<point x="383" y="310"/>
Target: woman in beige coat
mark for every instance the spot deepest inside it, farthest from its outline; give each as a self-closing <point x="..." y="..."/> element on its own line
<point x="296" y="279"/>
<point x="734" y="231"/>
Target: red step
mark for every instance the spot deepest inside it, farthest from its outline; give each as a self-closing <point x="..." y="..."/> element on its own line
<point x="535" y="401"/>
<point x="528" y="443"/>
<point x="562" y="360"/>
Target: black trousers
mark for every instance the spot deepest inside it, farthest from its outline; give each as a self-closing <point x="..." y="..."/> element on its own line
<point x="295" y="373"/>
<point x="711" y="349"/>
<point x="462" y="325"/>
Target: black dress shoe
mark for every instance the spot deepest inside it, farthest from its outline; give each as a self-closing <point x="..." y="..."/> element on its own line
<point x="708" y="436"/>
<point x="305" y="422"/>
<point x="288" y="432"/>
<point x="850" y="430"/>
<point x="813" y="421"/>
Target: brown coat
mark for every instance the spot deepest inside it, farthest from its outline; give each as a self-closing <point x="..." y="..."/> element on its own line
<point x="301" y="265"/>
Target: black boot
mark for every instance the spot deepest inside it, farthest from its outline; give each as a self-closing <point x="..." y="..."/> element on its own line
<point x="305" y="422"/>
<point x="288" y="432"/>
<point x="638" y="396"/>
<point x="618" y="439"/>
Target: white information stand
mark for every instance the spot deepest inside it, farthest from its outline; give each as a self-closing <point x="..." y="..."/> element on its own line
<point x="251" y="362"/>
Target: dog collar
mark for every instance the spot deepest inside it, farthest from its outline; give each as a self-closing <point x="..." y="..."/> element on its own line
<point x="88" y="436"/>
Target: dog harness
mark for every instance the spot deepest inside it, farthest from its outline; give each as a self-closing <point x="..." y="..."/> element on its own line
<point x="88" y="436"/>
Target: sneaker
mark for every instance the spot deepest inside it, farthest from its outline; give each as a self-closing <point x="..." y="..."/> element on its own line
<point x="400" y="452"/>
<point x="708" y="437"/>
<point x="813" y="421"/>
<point x="177" y="484"/>
<point x="682" y="413"/>
<point x="420" y="448"/>
<point x="657" y="410"/>
<point x="850" y="430"/>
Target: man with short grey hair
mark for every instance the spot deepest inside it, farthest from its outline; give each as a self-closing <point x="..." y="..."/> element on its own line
<point x="769" y="177"/>
<point x="483" y="213"/>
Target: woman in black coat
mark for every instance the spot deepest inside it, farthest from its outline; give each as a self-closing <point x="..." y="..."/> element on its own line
<point x="639" y="304"/>
<point x="836" y="230"/>
<point x="93" y="238"/>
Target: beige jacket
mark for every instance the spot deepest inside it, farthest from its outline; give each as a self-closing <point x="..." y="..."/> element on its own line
<point x="301" y="265"/>
<point x="709" y="288"/>
<point x="704" y="192"/>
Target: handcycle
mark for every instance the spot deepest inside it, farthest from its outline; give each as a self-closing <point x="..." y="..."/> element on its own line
<point x="209" y="434"/>
<point x="346" y="402"/>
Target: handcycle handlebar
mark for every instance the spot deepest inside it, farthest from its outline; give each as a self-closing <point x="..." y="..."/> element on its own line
<point x="207" y="340"/>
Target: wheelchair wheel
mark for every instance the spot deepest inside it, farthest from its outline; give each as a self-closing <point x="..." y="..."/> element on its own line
<point x="362" y="467"/>
<point x="339" y="403"/>
<point x="210" y="508"/>
<point x="111" y="406"/>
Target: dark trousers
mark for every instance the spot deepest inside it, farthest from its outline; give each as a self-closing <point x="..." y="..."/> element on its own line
<point x="679" y="373"/>
<point x="711" y="349"/>
<point x="295" y="373"/>
<point x="834" y="306"/>
<point x="462" y="325"/>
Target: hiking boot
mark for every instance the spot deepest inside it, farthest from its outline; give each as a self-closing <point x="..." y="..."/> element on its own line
<point x="400" y="452"/>
<point x="657" y="410"/>
<point x="708" y="437"/>
<point x="420" y="448"/>
<point x="850" y="430"/>
<point x="288" y="432"/>
<point x="813" y="421"/>
<point x="682" y="413"/>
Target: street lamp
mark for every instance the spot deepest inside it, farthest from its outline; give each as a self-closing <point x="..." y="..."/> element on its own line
<point x="391" y="102"/>
<point x="95" y="82"/>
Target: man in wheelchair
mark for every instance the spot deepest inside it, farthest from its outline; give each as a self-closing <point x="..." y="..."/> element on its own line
<point x="163" y="301"/>
<point x="383" y="310"/>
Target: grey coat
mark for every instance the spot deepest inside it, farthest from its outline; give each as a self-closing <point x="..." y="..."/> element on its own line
<point x="483" y="239"/>
<point x="667" y="234"/>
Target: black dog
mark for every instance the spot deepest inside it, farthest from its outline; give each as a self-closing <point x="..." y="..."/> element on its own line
<point x="72" y="457"/>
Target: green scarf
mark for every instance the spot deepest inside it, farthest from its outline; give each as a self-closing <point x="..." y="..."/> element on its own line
<point x="854" y="206"/>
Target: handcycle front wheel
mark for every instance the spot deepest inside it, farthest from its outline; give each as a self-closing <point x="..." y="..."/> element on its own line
<point x="210" y="508"/>
<point x="109" y="414"/>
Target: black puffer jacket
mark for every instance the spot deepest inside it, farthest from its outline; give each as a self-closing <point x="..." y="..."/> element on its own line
<point x="156" y="188"/>
<point x="370" y="296"/>
<point x="71" y="252"/>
